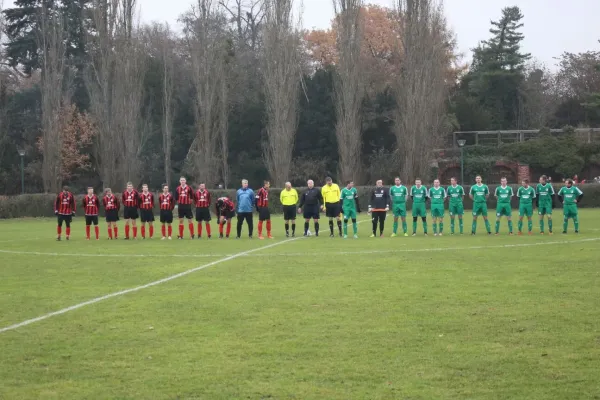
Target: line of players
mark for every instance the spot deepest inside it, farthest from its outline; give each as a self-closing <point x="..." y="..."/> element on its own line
<point x="337" y="204"/>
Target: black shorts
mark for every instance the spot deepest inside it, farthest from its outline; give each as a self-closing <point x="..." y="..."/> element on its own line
<point x="311" y="211"/>
<point x="289" y="213"/>
<point x="228" y="215"/>
<point x="264" y="214"/>
<point x="91" y="220"/>
<point x="64" y="218"/>
<point x="146" y="215"/>
<point x="185" y="211"/>
<point x="378" y="214"/>
<point x="332" y="210"/>
<point x="130" y="213"/>
<point x="112" y="215"/>
<point x="202" y="214"/>
<point x="166" y="216"/>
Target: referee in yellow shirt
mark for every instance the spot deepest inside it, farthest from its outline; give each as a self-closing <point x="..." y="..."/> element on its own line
<point x="289" y="201"/>
<point x="331" y="197"/>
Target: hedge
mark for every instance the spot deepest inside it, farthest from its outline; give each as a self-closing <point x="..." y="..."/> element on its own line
<point x="41" y="205"/>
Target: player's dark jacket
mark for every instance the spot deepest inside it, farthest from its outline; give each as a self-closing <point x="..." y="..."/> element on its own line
<point x="380" y="198"/>
<point x="311" y="197"/>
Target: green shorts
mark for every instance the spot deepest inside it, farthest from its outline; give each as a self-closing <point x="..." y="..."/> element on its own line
<point x="526" y="211"/>
<point x="545" y="210"/>
<point x="418" y="210"/>
<point x="503" y="210"/>
<point x="456" y="209"/>
<point x="349" y="213"/>
<point x="399" y="210"/>
<point x="437" y="211"/>
<point x="570" y="211"/>
<point x="480" y="209"/>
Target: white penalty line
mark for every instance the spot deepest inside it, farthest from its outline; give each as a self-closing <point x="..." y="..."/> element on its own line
<point x="138" y="288"/>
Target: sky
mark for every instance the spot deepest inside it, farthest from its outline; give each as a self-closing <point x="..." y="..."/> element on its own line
<point x="551" y="26"/>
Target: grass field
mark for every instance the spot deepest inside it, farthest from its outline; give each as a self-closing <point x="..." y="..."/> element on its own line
<point x="452" y="317"/>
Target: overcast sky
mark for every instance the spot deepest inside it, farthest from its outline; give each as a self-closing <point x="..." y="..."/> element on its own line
<point x="551" y="26"/>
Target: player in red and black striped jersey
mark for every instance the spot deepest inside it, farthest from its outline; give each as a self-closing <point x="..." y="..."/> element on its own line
<point x="64" y="209"/>
<point x="202" y="200"/>
<point x="111" y="212"/>
<point x="184" y="196"/>
<point x="262" y="205"/>
<point x="91" y="205"/>
<point x="146" y="203"/>
<point x="225" y="212"/>
<point x="131" y="199"/>
<point x="166" y="202"/>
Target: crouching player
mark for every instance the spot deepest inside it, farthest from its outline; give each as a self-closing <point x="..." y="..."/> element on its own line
<point x="167" y="204"/>
<point x="225" y="212"/>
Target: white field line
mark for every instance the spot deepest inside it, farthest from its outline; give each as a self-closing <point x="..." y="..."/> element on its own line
<point x="138" y="288"/>
<point x="341" y="253"/>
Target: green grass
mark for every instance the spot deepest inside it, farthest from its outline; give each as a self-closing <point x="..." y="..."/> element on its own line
<point x="452" y="317"/>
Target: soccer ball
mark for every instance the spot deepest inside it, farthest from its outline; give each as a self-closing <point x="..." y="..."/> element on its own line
<point x="308" y="233"/>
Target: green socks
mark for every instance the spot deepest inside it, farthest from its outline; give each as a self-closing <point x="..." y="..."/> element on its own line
<point x="452" y="226"/>
<point x="576" y="223"/>
<point x="488" y="228"/>
<point x="435" y="228"/>
<point x="460" y="225"/>
<point x="520" y="226"/>
<point x="529" y="225"/>
<point x="474" y="226"/>
<point x="395" y="227"/>
<point x="345" y="228"/>
<point x="497" y="226"/>
<point x="510" y="226"/>
<point x="441" y="227"/>
<point x="550" y="225"/>
<point x="542" y="225"/>
<point x="424" y="227"/>
<point x="355" y="227"/>
<point x="565" y="224"/>
<point x="404" y="227"/>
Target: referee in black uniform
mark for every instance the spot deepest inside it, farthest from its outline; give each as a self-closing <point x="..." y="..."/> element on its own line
<point x="311" y="201"/>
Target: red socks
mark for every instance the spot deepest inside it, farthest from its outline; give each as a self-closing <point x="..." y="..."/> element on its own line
<point x="191" y="227"/>
<point x="143" y="231"/>
<point x="260" y="224"/>
<point x="97" y="231"/>
<point x="180" y="230"/>
<point x="228" y="227"/>
<point x="199" y="229"/>
<point x="126" y="231"/>
<point x="68" y="230"/>
<point x="59" y="230"/>
<point x="269" y="228"/>
<point x="110" y="232"/>
<point x="163" y="230"/>
<point x="170" y="230"/>
<point x="134" y="232"/>
<point x="116" y="231"/>
<point x="87" y="231"/>
<point x="208" y="229"/>
<point x="151" y="229"/>
<point x="220" y="229"/>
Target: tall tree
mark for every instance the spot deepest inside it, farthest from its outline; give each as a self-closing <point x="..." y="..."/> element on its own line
<point x="421" y="87"/>
<point x="350" y="82"/>
<point x="281" y="81"/>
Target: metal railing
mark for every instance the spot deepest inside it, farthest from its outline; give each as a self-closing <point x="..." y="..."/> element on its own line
<point x="497" y="138"/>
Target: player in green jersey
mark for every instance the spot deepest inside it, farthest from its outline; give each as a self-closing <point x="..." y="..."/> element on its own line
<point x="479" y="193"/>
<point x="398" y="194"/>
<point x="418" y="193"/>
<point x="545" y="200"/>
<point x="456" y="208"/>
<point x="504" y="194"/>
<point x="570" y="195"/>
<point x="526" y="194"/>
<point x="350" y="206"/>
<point x="437" y="195"/>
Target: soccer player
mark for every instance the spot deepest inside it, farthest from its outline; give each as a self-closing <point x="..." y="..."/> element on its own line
<point x="130" y="199"/>
<point x="64" y="209"/>
<point x="379" y="205"/>
<point x="289" y="200"/>
<point x="569" y="195"/>
<point x="545" y="200"/>
<point x="311" y="201"/>
<point x="398" y="195"/>
<point x="166" y="202"/>
<point x="245" y="205"/>
<point x="437" y="195"/>
<point x="184" y="196"/>
<point x="456" y="207"/>
<point x="504" y="194"/>
<point x="418" y="194"/>
<point x="479" y="193"/>
<point x="350" y="207"/>
<point x="203" y="200"/>
<point x="225" y="213"/>
<point x="91" y="205"/>
<point x="262" y="206"/>
<point x="526" y="194"/>
<point x="331" y="197"/>
<point x="111" y="212"/>
<point x="147" y="211"/>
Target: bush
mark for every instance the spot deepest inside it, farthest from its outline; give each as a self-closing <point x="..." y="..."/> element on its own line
<point x="41" y="205"/>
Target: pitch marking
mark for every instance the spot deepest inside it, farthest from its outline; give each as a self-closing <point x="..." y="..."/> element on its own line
<point x="138" y="288"/>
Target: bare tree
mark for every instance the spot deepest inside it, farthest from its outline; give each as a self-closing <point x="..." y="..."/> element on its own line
<point x="246" y="17"/>
<point x="421" y="87"/>
<point x="281" y="81"/>
<point x="114" y="81"/>
<point x="207" y="46"/>
<point x="224" y="130"/>
<point x="168" y="85"/>
<point x="54" y="96"/>
<point x="350" y="83"/>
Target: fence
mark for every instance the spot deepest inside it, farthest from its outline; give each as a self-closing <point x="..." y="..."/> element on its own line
<point x="497" y="138"/>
